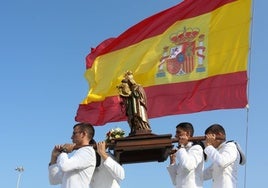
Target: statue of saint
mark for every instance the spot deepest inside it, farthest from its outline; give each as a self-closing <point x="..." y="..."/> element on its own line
<point x="134" y="102"/>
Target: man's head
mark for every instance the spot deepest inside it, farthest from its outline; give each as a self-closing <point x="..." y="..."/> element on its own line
<point x="184" y="129"/>
<point x="218" y="131"/>
<point x="83" y="133"/>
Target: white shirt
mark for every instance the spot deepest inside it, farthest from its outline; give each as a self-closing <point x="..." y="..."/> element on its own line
<point x="187" y="173"/>
<point x="224" y="167"/>
<point x="73" y="172"/>
<point x="108" y="174"/>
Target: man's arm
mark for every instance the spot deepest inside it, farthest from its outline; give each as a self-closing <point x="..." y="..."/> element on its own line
<point x="82" y="158"/>
<point x="115" y="169"/>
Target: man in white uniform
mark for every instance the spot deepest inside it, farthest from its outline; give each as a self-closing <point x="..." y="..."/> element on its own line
<point x="187" y="171"/>
<point x="74" y="171"/>
<point x="110" y="173"/>
<point x="224" y="157"/>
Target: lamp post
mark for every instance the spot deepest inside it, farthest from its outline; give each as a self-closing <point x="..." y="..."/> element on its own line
<point x="20" y="170"/>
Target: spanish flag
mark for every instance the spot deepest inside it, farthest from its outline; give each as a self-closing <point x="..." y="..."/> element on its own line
<point x="189" y="58"/>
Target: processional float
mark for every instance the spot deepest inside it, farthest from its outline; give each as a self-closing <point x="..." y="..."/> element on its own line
<point x="141" y="145"/>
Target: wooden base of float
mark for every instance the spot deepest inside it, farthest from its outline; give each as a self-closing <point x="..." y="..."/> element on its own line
<point x="140" y="148"/>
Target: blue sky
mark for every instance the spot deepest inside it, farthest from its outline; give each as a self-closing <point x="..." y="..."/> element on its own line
<point x="43" y="45"/>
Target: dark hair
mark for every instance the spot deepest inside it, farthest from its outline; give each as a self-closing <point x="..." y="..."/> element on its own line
<point x="98" y="157"/>
<point x="215" y="129"/>
<point x="186" y="126"/>
<point x="88" y="128"/>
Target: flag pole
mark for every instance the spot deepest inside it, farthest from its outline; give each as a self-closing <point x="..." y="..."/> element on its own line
<point x="20" y="170"/>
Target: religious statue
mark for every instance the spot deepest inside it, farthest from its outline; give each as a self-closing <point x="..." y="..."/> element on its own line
<point x="134" y="102"/>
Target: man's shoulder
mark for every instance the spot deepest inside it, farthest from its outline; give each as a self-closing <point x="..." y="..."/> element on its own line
<point x="239" y="149"/>
<point x="230" y="143"/>
<point x="86" y="149"/>
<point x="199" y="145"/>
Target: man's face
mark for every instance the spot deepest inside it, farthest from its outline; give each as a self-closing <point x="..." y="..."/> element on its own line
<point x="182" y="136"/>
<point x="217" y="142"/>
<point x="77" y="135"/>
<point x="180" y="132"/>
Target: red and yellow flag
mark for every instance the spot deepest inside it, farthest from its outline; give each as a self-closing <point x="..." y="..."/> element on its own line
<point x="189" y="58"/>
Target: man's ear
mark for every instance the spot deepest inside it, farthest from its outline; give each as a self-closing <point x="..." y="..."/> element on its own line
<point x="84" y="133"/>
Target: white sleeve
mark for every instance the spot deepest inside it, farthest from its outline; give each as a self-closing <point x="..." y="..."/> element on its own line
<point x="207" y="173"/>
<point x="115" y="169"/>
<point x="224" y="158"/>
<point x="191" y="159"/>
<point x="82" y="158"/>
<point x="55" y="174"/>
<point x="172" y="170"/>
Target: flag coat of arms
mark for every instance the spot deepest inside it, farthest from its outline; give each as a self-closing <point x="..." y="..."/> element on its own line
<point x="189" y="58"/>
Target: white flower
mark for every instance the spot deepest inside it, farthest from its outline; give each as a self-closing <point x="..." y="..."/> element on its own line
<point x="114" y="133"/>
